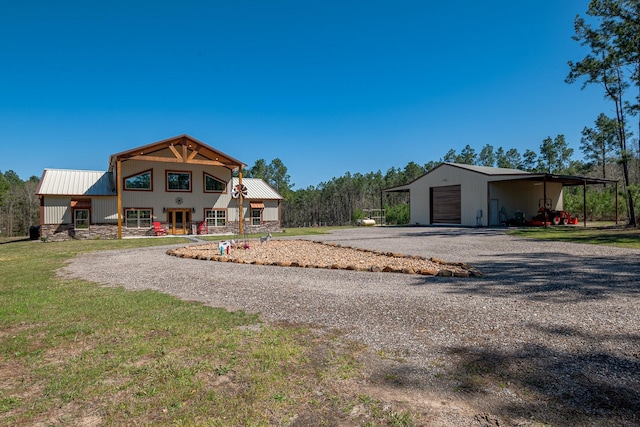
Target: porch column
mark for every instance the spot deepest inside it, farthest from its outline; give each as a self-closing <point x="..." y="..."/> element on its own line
<point x="240" y="228"/>
<point x="119" y="190"/>
<point x="544" y="200"/>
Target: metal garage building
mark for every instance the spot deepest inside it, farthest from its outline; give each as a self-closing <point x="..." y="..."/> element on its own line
<point x="468" y="195"/>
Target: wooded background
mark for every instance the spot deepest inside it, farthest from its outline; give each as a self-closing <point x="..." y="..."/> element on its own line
<point x="19" y="205"/>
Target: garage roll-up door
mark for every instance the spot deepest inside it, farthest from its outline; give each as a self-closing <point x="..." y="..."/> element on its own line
<point x="445" y="205"/>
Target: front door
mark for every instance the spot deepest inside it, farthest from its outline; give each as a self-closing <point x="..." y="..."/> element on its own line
<point x="179" y="221"/>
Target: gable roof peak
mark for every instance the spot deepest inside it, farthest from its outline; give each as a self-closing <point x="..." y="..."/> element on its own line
<point x="183" y="149"/>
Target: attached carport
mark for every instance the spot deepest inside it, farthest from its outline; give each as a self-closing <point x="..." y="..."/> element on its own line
<point x="546" y="179"/>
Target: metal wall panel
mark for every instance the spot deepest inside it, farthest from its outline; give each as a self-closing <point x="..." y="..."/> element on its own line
<point x="104" y="210"/>
<point x="57" y="210"/>
<point x="271" y="211"/>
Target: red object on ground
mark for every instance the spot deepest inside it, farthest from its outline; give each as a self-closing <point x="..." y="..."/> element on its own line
<point x="203" y="228"/>
<point x="158" y="230"/>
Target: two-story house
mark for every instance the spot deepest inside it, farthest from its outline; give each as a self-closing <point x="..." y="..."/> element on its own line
<point x="185" y="184"/>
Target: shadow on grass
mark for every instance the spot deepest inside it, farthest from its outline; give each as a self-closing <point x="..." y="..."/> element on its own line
<point x="14" y="240"/>
<point x="602" y="239"/>
<point x="613" y="237"/>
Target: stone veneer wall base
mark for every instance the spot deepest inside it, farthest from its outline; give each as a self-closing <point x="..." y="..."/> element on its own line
<point x="61" y="232"/>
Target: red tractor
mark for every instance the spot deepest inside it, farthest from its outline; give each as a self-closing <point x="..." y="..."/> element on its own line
<point x="555" y="217"/>
<point x="550" y="216"/>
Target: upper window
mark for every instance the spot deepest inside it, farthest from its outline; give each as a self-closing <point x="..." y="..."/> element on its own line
<point x="141" y="181"/>
<point x="213" y="185"/>
<point x="178" y="181"/>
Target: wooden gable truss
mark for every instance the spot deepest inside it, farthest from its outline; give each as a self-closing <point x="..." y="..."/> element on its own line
<point x="181" y="149"/>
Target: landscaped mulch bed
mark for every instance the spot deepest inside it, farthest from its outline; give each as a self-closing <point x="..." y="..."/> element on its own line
<point x="313" y="254"/>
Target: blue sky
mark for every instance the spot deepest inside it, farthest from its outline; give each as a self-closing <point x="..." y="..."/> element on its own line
<point x="327" y="87"/>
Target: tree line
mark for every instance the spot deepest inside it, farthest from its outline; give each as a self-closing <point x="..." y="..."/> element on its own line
<point x="19" y="205"/>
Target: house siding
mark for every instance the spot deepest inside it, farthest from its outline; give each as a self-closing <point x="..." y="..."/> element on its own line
<point x="57" y="210"/>
<point x="271" y="210"/>
<point x="104" y="210"/>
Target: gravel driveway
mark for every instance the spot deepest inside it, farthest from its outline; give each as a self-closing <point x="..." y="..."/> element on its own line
<point x="550" y="333"/>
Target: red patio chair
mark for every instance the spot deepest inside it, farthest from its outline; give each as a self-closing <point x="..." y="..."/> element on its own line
<point x="203" y="228"/>
<point x="158" y="230"/>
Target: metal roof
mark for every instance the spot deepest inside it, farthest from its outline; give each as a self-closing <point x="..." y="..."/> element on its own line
<point x="534" y="176"/>
<point x="484" y="170"/>
<point x="67" y="182"/>
<point x="258" y="189"/>
<point x="518" y="175"/>
<point x="487" y="170"/>
<point x="569" y="180"/>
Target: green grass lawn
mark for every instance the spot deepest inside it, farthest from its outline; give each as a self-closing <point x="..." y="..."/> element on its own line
<point x="607" y="235"/>
<point x="76" y="353"/>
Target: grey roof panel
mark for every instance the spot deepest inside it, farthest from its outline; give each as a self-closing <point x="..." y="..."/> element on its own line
<point x="258" y="189"/>
<point x="67" y="182"/>
<point x="487" y="170"/>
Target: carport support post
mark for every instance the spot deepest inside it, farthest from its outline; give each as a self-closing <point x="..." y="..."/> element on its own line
<point x="616" y="202"/>
<point x="544" y="200"/>
<point x="584" y="200"/>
